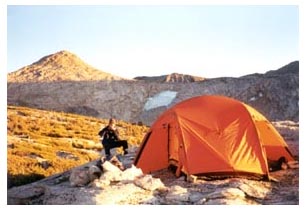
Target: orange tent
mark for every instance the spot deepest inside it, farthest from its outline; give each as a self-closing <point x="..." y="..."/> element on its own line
<point x="211" y="135"/>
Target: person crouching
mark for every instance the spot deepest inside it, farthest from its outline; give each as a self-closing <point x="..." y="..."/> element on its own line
<point x="110" y="138"/>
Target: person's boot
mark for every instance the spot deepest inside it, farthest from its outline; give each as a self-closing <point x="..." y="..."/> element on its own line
<point x="108" y="157"/>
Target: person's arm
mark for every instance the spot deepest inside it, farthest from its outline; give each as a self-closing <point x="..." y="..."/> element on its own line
<point x="101" y="132"/>
<point x="117" y="134"/>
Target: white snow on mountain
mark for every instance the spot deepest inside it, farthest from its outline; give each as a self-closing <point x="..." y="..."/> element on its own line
<point x="163" y="98"/>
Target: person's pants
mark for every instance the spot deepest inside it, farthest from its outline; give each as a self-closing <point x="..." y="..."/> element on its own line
<point x="115" y="144"/>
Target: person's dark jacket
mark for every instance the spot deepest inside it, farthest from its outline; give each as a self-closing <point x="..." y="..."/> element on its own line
<point x="108" y="135"/>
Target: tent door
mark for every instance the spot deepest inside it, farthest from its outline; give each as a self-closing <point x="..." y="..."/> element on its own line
<point x="173" y="145"/>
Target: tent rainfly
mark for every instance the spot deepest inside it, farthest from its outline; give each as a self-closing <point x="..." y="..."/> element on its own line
<point x="212" y="135"/>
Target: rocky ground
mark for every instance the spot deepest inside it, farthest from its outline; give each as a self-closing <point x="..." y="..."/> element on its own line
<point x="87" y="185"/>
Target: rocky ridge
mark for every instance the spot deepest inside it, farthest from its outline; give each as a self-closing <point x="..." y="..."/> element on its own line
<point x="174" y="77"/>
<point x="275" y="94"/>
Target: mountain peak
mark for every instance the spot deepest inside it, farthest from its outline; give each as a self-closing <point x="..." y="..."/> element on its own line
<point x="176" y="77"/>
<point x="62" y="58"/>
<point x="60" y="66"/>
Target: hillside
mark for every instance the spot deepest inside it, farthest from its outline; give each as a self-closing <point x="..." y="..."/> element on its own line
<point x="42" y="143"/>
<point x="60" y="66"/>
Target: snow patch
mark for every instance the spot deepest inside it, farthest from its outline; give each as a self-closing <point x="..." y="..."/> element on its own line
<point x="163" y="98"/>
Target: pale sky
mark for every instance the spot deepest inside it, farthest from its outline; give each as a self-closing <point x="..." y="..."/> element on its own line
<point x="128" y="41"/>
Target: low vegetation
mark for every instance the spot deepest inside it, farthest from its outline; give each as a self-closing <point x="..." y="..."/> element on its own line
<point x="42" y="143"/>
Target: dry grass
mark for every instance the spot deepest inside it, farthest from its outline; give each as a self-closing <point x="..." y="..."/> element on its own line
<point x="41" y="143"/>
